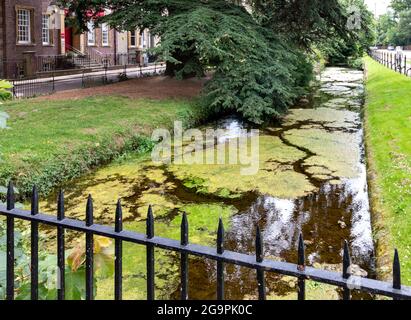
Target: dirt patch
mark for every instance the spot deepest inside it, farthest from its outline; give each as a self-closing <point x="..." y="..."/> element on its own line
<point x="90" y="131"/>
<point x="158" y="88"/>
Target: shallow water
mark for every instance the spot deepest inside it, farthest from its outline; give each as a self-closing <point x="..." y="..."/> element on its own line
<point x="312" y="179"/>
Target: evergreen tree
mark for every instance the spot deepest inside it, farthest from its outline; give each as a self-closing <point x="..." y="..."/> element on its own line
<point x="255" y="48"/>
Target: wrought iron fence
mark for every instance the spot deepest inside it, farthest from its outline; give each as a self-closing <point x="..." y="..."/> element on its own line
<point x="394" y="61"/>
<point x="12" y="68"/>
<point x="183" y="247"/>
<point x="27" y="88"/>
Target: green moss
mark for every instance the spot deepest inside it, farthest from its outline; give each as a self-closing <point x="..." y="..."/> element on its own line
<point x="275" y="169"/>
<point x="336" y="154"/>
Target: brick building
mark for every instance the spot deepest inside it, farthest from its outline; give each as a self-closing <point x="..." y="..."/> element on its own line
<point x="37" y="37"/>
<point x="28" y="28"/>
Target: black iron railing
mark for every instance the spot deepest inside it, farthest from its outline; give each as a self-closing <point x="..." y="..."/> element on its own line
<point x="27" y="88"/>
<point x="393" y="60"/>
<point x="183" y="247"/>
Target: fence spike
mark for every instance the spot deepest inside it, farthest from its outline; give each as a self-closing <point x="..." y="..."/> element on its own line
<point x="61" y="247"/>
<point x="301" y="252"/>
<point x="34" y="245"/>
<point x="150" y="223"/>
<point x="396" y="270"/>
<point x="10" y="196"/>
<point x="150" y="255"/>
<point x="34" y="201"/>
<point x="118" y="253"/>
<point x="184" y="230"/>
<point x="119" y="217"/>
<point x="346" y="266"/>
<point x="60" y="205"/>
<point x="184" y="258"/>
<point x="89" y="251"/>
<point x="220" y="237"/>
<point x="259" y="254"/>
<point x="89" y="211"/>
<point x="259" y="246"/>
<point x="220" y="264"/>
<point x="346" y="260"/>
<point x="301" y="267"/>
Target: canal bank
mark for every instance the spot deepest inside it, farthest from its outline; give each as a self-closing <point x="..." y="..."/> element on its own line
<point x="388" y="136"/>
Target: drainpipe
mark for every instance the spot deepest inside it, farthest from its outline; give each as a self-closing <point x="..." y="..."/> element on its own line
<point x="115" y="47"/>
<point x="4" y="57"/>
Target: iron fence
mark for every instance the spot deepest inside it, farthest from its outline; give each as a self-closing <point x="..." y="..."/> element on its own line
<point x="27" y="88"/>
<point x="183" y="247"/>
<point x="392" y="60"/>
<point x="50" y="63"/>
<point x="12" y="68"/>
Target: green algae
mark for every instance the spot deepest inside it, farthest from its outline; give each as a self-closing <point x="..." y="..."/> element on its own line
<point x="328" y="117"/>
<point x="334" y="152"/>
<point x="275" y="177"/>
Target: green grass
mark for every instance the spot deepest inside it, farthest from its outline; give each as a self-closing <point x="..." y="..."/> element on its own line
<point x="388" y="132"/>
<point x="49" y="142"/>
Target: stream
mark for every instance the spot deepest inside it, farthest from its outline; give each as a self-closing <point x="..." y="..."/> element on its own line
<point x="312" y="179"/>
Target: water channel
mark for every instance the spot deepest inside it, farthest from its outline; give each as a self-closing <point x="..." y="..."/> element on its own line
<point x="311" y="179"/>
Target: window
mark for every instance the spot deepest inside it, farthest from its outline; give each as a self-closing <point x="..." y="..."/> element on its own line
<point x="23" y="26"/>
<point x="45" y="30"/>
<point x="133" y="39"/>
<point x="91" y="34"/>
<point x="143" y="40"/>
<point x="104" y="34"/>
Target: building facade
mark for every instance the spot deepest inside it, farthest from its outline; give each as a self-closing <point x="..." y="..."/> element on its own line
<point x="37" y="36"/>
<point x="28" y="28"/>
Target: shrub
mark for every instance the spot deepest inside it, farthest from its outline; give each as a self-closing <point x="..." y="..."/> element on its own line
<point x="5" y="93"/>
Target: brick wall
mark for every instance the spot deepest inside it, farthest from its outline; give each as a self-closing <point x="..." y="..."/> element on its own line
<point x="12" y="49"/>
<point x="110" y="49"/>
<point x="1" y="30"/>
<point x="1" y="40"/>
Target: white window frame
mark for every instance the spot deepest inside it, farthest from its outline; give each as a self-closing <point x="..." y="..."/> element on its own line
<point x="105" y="35"/>
<point x="143" y="40"/>
<point x="133" y="35"/>
<point x="45" y="30"/>
<point x="91" y="34"/>
<point x="24" y="26"/>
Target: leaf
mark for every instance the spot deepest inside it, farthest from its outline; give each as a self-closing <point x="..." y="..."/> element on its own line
<point x="76" y="258"/>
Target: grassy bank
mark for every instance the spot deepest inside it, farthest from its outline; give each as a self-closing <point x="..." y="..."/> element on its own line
<point x="388" y="138"/>
<point x="49" y="142"/>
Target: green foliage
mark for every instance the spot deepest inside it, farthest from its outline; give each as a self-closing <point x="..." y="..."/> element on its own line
<point x="47" y="269"/>
<point x="394" y="28"/>
<point x="5" y="93"/>
<point x="400" y="5"/>
<point x="48" y="274"/>
<point x="386" y="29"/>
<point x="304" y="22"/>
<point x="256" y="74"/>
<point x="256" y="48"/>
<point x="345" y="50"/>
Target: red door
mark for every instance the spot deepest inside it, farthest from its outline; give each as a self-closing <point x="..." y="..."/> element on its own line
<point x="68" y="35"/>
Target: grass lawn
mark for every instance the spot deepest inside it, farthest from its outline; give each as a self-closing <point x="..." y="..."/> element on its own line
<point x="49" y="141"/>
<point x="388" y="137"/>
